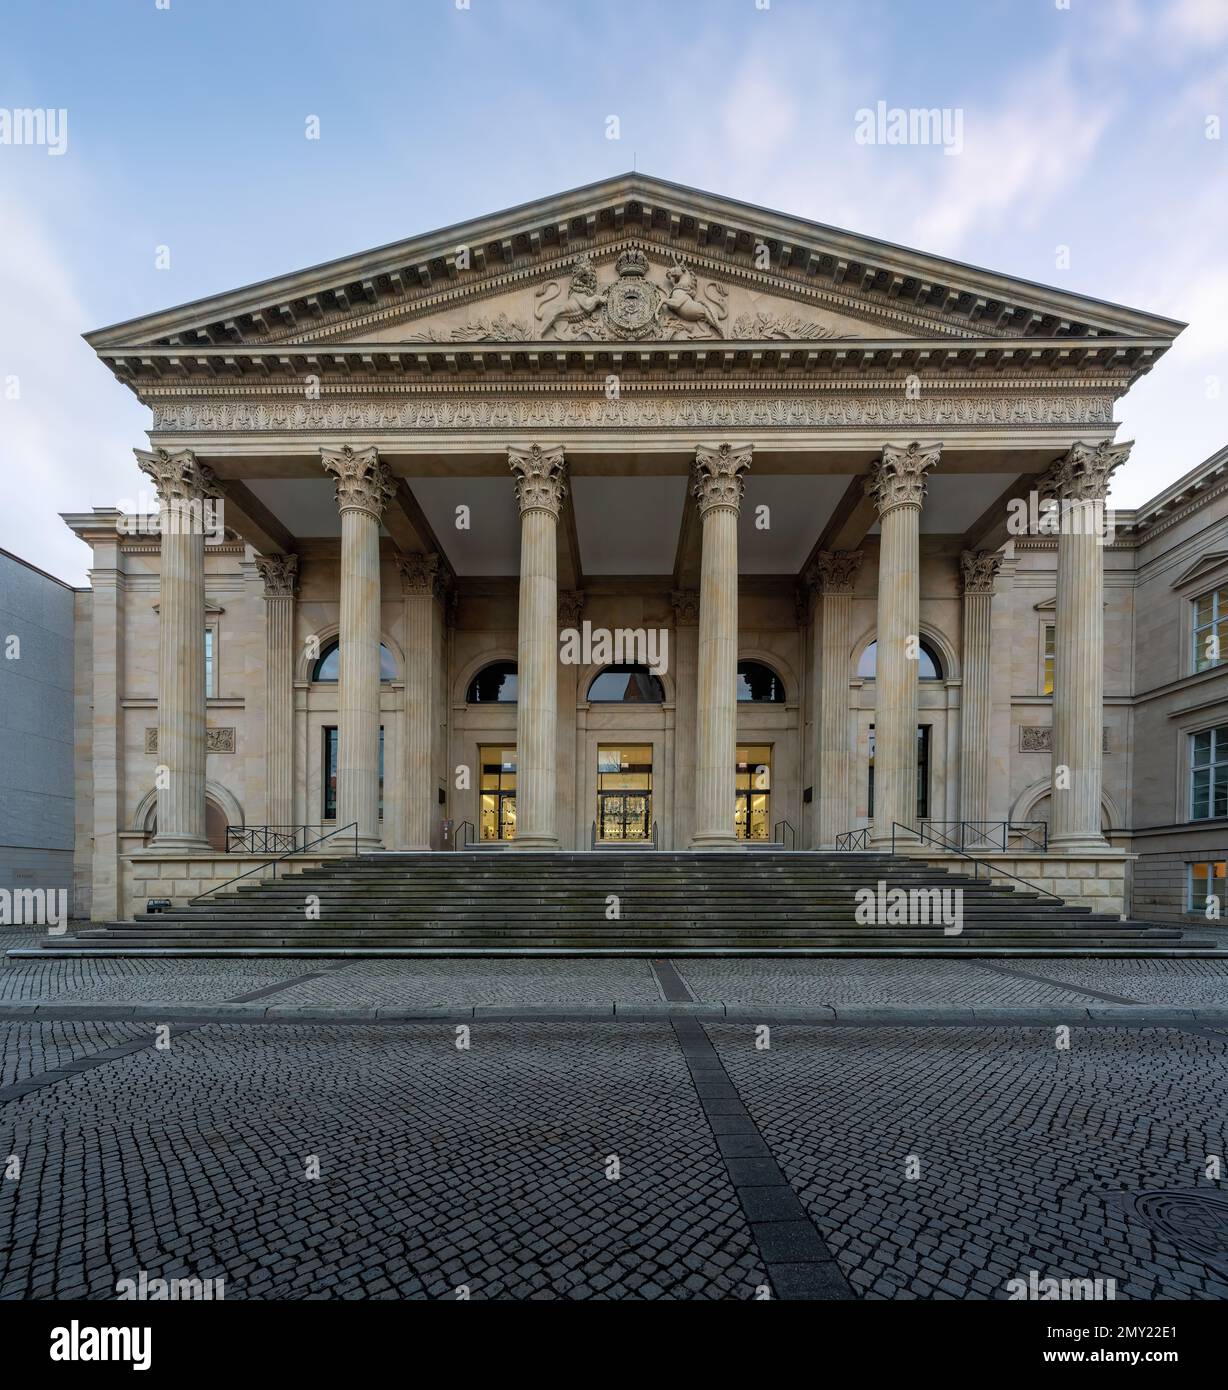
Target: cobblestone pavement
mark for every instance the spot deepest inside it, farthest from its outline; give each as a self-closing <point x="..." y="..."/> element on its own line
<point x="489" y="1167"/>
<point x="1018" y="1147"/>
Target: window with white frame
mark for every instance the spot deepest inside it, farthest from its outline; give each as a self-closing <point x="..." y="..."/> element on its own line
<point x="1210" y="633"/>
<point x="1209" y="773"/>
<point x="210" y="663"/>
<point x="1207" y="885"/>
<point x="1047" y="653"/>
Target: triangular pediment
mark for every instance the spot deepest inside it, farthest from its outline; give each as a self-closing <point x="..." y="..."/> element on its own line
<point x="1211" y="564"/>
<point x="633" y="259"/>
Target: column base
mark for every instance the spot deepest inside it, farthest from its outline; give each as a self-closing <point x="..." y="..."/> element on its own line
<point x="181" y="844"/>
<point x="713" y="841"/>
<point x="535" y="842"/>
<point x="1078" y="844"/>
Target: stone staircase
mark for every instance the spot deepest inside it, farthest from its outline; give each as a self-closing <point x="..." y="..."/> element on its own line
<point x="765" y="902"/>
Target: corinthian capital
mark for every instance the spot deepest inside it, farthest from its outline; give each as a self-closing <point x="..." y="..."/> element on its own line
<point x="717" y="478"/>
<point x="364" y="481"/>
<point x="178" y="476"/>
<point x="897" y="479"/>
<point x="834" y="571"/>
<point x="571" y="605"/>
<point x="979" y="569"/>
<point x="421" y="574"/>
<point x="1085" y="472"/>
<point x="280" y="575"/>
<point x="685" y="603"/>
<point x="540" y="478"/>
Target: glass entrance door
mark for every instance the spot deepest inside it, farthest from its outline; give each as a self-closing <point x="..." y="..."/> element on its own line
<point x="624" y="792"/>
<point x="752" y="810"/>
<point x="497" y="801"/>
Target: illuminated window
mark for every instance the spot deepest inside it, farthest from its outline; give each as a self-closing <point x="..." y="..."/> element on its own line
<point x="1050" y="634"/>
<point x="1206" y="887"/>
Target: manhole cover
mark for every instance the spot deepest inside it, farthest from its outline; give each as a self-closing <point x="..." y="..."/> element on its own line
<point x="1194" y="1219"/>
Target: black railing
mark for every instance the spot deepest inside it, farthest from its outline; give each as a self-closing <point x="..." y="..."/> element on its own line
<point x="256" y="868"/>
<point x="268" y="839"/>
<point x="990" y="867"/>
<point x="854" y="839"/>
<point x="1022" y="836"/>
<point x="463" y="834"/>
<point x="779" y="839"/>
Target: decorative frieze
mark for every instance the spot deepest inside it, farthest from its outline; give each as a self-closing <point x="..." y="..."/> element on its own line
<point x="540" y="478"/>
<point x="691" y="406"/>
<point x="717" y="479"/>
<point x="364" y="481"/>
<point x="1036" y="738"/>
<point x="216" y="740"/>
<point x="280" y="575"/>
<point x="978" y="570"/>
<point x="897" y="477"/>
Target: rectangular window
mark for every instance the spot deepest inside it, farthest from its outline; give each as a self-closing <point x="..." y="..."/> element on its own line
<point x="210" y="692"/>
<point x="923" y="772"/>
<point x="1206" y="884"/>
<point x="1047" y="687"/>
<point x="1210" y="646"/>
<point x="1209" y="773"/>
<point x="329" y="768"/>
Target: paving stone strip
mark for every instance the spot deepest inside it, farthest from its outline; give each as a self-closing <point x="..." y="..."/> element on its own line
<point x="799" y="1263"/>
<point x="673" y="987"/>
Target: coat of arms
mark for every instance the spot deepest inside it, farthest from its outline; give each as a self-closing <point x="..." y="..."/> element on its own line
<point x="633" y="306"/>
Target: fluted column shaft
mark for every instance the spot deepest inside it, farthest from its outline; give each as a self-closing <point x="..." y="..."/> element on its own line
<point x="834" y="575"/>
<point x="978" y="570"/>
<point x="184" y="488"/>
<point x="718" y="488"/>
<point x="364" y="486"/>
<point x="540" y="490"/>
<point x="686" y="676"/>
<point x="897" y="484"/>
<point x="420" y="582"/>
<point x="280" y="575"/>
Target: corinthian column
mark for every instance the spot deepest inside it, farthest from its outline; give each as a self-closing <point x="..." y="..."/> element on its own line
<point x="979" y="569"/>
<point x="184" y="488"/>
<point x="280" y="575"/>
<point x="364" y="486"/>
<point x="833" y="577"/>
<point x="718" y="488"/>
<point x="422" y="584"/>
<point x="1079" y="484"/>
<point x="897" y="485"/>
<point x="540" y="490"/>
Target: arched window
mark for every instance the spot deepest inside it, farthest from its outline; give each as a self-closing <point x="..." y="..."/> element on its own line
<point x="328" y="664"/>
<point x="628" y="685"/>
<point x="493" y="685"/>
<point x="759" y="684"/>
<point x="930" y="665"/>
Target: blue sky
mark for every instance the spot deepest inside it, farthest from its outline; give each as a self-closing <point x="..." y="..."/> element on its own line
<point x="1085" y="126"/>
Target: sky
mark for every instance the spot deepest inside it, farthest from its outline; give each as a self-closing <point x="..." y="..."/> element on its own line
<point x="1092" y="160"/>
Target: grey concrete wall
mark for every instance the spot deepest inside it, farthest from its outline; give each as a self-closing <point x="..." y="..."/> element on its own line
<point x="36" y="728"/>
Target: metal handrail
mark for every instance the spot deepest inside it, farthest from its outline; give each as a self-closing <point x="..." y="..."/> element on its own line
<point x="256" y="868"/>
<point x="792" y="834"/>
<point x="655" y="845"/>
<point x="246" y="839"/>
<point x="854" y="839"/>
<point x="988" y="863"/>
<point x="994" y="834"/>
<point x="592" y="839"/>
<point x="460" y="841"/>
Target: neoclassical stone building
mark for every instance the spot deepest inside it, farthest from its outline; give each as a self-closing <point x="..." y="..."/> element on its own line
<point x="634" y="515"/>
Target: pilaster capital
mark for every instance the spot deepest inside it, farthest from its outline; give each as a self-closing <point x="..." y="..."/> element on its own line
<point x="178" y="475"/>
<point x="280" y="575"/>
<point x="571" y="605"/>
<point x="540" y="478"/>
<point x="897" y="477"/>
<point x="420" y="573"/>
<point x="979" y="569"/>
<point x="717" y="480"/>
<point x="364" y="481"/>
<point x="685" y="603"/>
<point x="834" y="571"/>
<point x="1084" y="474"/>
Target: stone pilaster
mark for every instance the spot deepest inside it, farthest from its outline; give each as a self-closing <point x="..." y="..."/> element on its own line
<point x="685" y="603"/>
<point x="833" y="576"/>
<point x="540" y="489"/>
<point x="1079" y="484"/>
<point x="718" y="487"/>
<point x="107" y="619"/>
<point x="422" y="584"/>
<point x="978" y="571"/>
<point x="897" y="485"/>
<point x="280" y="575"/>
<point x="364" y="487"/>
<point x="184" y="487"/>
<point x="573" y="802"/>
